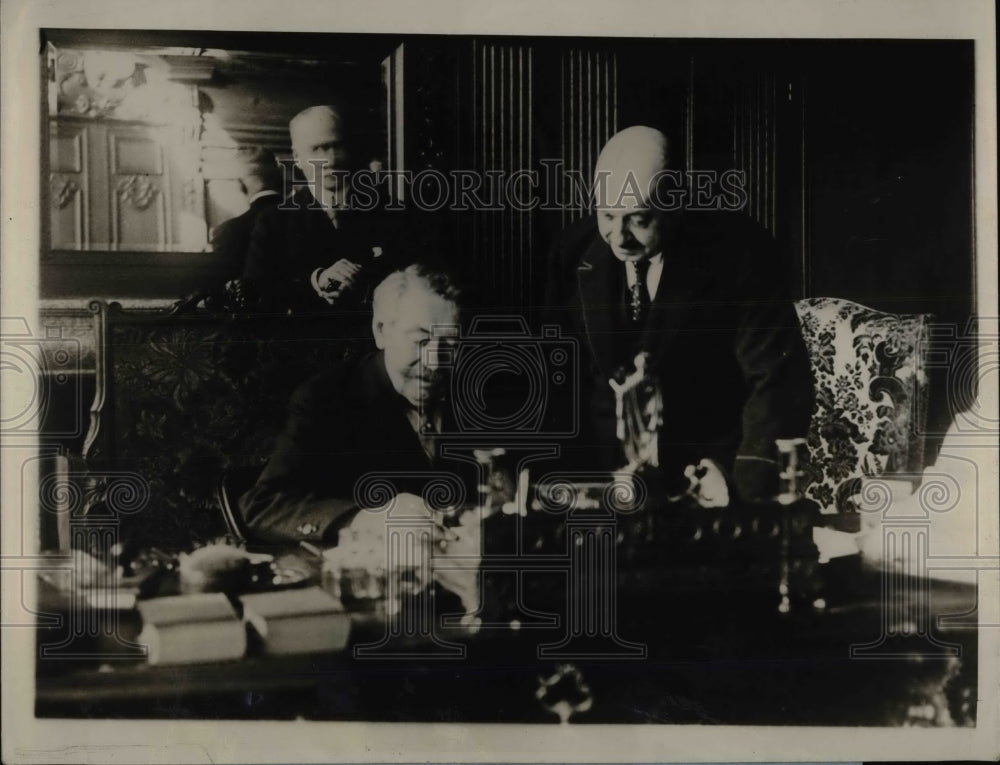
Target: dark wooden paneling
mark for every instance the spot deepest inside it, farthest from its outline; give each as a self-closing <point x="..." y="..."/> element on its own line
<point x="889" y="202"/>
<point x="588" y="82"/>
<point x="502" y="117"/>
<point x="888" y="128"/>
<point x="857" y="154"/>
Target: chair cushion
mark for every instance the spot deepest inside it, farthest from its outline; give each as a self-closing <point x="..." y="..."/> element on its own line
<point x="870" y="395"/>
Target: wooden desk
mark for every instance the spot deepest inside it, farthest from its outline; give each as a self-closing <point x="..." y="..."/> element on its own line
<point x="710" y="657"/>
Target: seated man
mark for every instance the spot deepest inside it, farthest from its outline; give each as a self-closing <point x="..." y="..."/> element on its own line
<point x="380" y="415"/>
<point x="700" y="292"/>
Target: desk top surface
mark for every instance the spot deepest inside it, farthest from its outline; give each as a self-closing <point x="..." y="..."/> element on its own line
<point x="883" y="649"/>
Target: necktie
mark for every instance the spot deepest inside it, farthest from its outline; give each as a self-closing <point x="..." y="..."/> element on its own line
<point x="638" y="294"/>
<point x="428" y="434"/>
<point x="426" y="426"/>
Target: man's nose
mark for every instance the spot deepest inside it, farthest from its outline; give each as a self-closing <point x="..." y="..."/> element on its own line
<point x="618" y="228"/>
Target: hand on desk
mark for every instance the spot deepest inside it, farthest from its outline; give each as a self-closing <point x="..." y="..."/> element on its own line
<point x="708" y="485"/>
<point x="217" y="568"/>
<point x="457" y="555"/>
<point x="451" y="553"/>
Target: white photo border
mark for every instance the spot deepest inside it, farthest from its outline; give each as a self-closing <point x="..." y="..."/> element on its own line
<point x="26" y="739"/>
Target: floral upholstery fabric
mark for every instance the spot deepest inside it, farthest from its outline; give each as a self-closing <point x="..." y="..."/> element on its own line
<point x="870" y="395"/>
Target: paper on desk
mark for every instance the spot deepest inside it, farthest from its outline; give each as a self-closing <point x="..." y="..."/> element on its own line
<point x="834" y="544"/>
<point x="75" y="570"/>
<point x="943" y="507"/>
<point x="457" y="556"/>
<point x="112" y="599"/>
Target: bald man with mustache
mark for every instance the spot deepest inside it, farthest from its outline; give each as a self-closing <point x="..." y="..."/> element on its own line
<point x="703" y="294"/>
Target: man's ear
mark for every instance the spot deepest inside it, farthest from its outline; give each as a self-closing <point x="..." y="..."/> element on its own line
<point x="295" y="159"/>
<point x="378" y="331"/>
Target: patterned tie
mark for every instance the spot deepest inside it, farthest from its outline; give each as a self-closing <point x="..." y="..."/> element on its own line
<point x="428" y="436"/>
<point x="638" y="298"/>
<point x="427" y="427"/>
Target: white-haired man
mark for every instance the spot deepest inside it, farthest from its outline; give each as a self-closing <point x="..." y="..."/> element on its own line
<point x="380" y="414"/>
<point x="328" y="243"/>
<point x="702" y="293"/>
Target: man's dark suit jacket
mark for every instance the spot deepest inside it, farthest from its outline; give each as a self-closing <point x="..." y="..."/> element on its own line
<point x="290" y="241"/>
<point x="342" y="425"/>
<point x="724" y="341"/>
<point x="231" y="238"/>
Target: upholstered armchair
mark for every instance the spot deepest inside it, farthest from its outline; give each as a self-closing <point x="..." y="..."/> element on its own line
<point x="871" y="396"/>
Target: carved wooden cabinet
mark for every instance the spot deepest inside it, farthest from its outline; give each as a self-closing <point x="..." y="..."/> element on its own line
<point x="120" y="185"/>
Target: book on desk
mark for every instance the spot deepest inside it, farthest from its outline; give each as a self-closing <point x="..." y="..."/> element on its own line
<point x="191" y="629"/>
<point x="306" y="620"/>
<point x="204" y="627"/>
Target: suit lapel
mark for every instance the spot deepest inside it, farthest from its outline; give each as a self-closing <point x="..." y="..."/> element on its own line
<point x="683" y="278"/>
<point x="599" y="289"/>
<point x="599" y="278"/>
<point x="388" y="415"/>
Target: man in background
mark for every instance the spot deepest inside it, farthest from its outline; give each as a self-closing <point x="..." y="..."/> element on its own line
<point x="703" y="295"/>
<point x="326" y="245"/>
<point x="260" y="180"/>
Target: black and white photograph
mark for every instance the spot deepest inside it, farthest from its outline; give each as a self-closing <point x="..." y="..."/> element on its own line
<point x="511" y="384"/>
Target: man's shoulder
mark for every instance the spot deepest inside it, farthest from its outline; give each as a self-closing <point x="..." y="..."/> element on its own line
<point x="265" y="202"/>
<point x="223" y="231"/>
<point x="350" y="381"/>
<point x="296" y="203"/>
<point x="575" y="240"/>
<point x="719" y="228"/>
<point x="737" y="258"/>
<point x="580" y="232"/>
<point x="285" y="224"/>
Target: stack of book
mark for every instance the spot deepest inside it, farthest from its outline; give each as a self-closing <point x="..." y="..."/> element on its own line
<point x="297" y="621"/>
<point x="191" y="629"/>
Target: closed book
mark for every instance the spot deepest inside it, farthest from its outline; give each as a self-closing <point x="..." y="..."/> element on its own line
<point x="308" y="620"/>
<point x="191" y="629"/>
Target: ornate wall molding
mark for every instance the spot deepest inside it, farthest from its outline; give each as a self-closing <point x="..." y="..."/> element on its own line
<point x="64" y="190"/>
<point x="137" y="190"/>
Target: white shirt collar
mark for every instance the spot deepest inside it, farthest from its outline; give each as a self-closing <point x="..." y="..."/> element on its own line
<point x="261" y="194"/>
<point x="652" y="275"/>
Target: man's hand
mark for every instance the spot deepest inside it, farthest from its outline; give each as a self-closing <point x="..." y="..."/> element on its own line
<point x="458" y="551"/>
<point x="332" y="282"/>
<point x="708" y="484"/>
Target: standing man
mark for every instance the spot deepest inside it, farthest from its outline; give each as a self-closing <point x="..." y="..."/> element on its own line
<point x="702" y="293"/>
<point x="260" y="179"/>
<point x="326" y="244"/>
